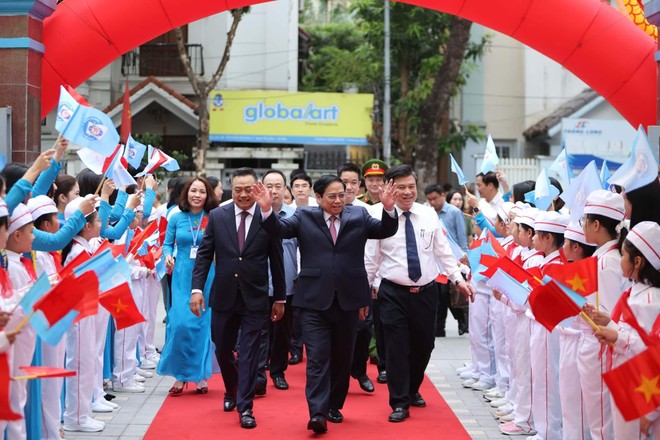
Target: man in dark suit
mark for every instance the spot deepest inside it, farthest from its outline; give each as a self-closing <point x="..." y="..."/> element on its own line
<point x="332" y="289"/>
<point x="239" y="299"/>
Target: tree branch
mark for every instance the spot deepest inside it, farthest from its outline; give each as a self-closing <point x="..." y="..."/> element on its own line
<point x="185" y="60"/>
<point x="237" y="14"/>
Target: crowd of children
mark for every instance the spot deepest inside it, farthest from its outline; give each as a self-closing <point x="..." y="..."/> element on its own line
<point x="47" y="219"/>
<point x="549" y="384"/>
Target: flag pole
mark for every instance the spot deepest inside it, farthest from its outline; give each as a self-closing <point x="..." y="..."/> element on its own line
<point x="23" y="322"/>
<point x="98" y="188"/>
<point x="57" y="141"/>
<point x="25" y="377"/>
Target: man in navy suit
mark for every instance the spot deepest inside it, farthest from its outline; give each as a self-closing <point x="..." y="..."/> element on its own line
<point x="332" y="287"/>
<point x="243" y="252"/>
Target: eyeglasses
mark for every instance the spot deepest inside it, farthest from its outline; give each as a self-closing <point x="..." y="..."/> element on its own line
<point x="583" y="220"/>
<point x="335" y="196"/>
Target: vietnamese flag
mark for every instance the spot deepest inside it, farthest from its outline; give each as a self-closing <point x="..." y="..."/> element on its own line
<point x="162" y="230"/>
<point x="6" y="413"/>
<point x="476" y="243"/>
<point x="488" y="261"/>
<point x="73" y="264"/>
<point x="513" y="269"/>
<point x="66" y="296"/>
<point x="44" y="372"/>
<point x="116" y="249"/>
<point x="635" y="384"/>
<point x="119" y="302"/>
<point x="581" y="276"/>
<point x="137" y="241"/>
<point x="551" y="305"/>
<point x="497" y="247"/>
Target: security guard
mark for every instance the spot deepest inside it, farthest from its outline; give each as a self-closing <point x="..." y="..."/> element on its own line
<point x="373" y="171"/>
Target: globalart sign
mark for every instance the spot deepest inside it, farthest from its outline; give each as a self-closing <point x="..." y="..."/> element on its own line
<point x="290" y="118"/>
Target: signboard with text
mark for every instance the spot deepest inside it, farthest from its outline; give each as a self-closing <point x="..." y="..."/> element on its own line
<point x="281" y="117"/>
<point x="605" y="139"/>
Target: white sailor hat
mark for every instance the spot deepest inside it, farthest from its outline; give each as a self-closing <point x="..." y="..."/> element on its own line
<point x="551" y="221"/>
<point x="575" y="232"/>
<point x="527" y="217"/>
<point x="645" y="236"/>
<point x="504" y="211"/>
<point x="73" y="206"/>
<point x="19" y="218"/>
<point x="606" y="203"/>
<point x="41" y="205"/>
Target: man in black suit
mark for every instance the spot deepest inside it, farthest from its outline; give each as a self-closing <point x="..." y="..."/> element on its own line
<point x="332" y="289"/>
<point x="242" y="252"/>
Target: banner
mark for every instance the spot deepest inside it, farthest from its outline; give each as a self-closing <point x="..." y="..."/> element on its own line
<point x="278" y="117"/>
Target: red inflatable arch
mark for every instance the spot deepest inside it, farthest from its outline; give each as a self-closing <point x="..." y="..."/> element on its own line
<point x="589" y="37"/>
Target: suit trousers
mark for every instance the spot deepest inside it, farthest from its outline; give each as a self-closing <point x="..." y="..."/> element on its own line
<point x="408" y="321"/>
<point x="239" y="377"/>
<point x="329" y="338"/>
<point x="380" y="336"/>
<point x="279" y="353"/>
<point x="362" y="340"/>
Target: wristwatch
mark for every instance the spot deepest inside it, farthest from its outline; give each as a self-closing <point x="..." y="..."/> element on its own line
<point x="475" y="210"/>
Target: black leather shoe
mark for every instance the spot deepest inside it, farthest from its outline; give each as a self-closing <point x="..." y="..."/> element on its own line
<point x="230" y="404"/>
<point x="382" y="377"/>
<point x="247" y="419"/>
<point x="335" y="416"/>
<point x="366" y="384"/>
<point x="399" y="415"/>
<point x="295" y="359"/>
<point x="280" y="383"/>
<point x="417" y="401"/>
<point x="260" y="389"/>
<point x="318" y="425"/>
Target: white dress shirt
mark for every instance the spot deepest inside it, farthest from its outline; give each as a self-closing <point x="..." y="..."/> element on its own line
<point x="388" y="259"/>
<point x="248" y="219"/>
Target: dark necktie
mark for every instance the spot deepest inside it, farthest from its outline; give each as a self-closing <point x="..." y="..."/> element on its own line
<point x="333" y="229"/>
<point x="241" y="230"/>
<point x="414" y="269"/>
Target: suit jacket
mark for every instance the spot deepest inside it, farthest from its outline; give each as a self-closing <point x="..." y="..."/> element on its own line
<point x="328" y="268"/>
<point x="233" y="269"/>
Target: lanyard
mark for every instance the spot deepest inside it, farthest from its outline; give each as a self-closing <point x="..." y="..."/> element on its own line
<point x="195" y="234"/>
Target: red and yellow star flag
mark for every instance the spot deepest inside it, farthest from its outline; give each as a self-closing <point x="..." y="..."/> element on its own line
<point x="581" y="276"/>
<point x="116" y="249"/>
<point x="43" y="373"/>
<point x="497" y="247"/>
<point x="119" y="302"/>
<point x="513" y="269"/>
<point x="137" y="241"/>
<point x="635" y="385"/>
<point x="71" y="265"/>
<point x="551" y="305"/>
<point x="6" y="413"/>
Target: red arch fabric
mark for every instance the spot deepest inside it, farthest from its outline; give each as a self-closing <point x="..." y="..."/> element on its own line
<point x="589" y="37"/>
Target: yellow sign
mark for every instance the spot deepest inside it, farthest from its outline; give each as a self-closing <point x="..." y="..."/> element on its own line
<point x="290" y="118"/>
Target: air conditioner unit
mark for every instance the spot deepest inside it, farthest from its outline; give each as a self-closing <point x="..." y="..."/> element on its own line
<point x="5" y="132"/>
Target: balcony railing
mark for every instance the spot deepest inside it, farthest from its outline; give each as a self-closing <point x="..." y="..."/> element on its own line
<point x="161" y="60"/>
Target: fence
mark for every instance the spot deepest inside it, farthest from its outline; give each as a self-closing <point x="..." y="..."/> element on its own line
<point x="518" y="170"/>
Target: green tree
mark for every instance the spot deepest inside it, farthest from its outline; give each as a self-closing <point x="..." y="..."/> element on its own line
<point x="431" y="55"/>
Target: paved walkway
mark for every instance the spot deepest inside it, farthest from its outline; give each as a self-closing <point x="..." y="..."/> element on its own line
<point x="136" y="411"/>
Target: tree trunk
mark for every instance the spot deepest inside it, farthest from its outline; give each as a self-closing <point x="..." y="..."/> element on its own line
<point x="203" y="89"/>
<point x="435" y="106"/>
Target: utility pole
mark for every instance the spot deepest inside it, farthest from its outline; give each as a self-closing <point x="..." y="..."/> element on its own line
<point x="387" y="137"/>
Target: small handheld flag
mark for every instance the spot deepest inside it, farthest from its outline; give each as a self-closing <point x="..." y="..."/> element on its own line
<point x="455" y="168"/>
<point x="491" y="160"/>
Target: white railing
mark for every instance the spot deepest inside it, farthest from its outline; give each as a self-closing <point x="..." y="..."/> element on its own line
<point x="519" y="170"/>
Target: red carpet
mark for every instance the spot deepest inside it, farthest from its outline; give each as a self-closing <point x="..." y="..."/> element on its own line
<point x="283" y="415"/>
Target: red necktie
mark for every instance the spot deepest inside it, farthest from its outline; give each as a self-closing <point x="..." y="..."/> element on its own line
<point x="29" y="267"/>
<point x="57" y="259"/>
<point x="241" y="230"/>
<point x="333" y="229"/>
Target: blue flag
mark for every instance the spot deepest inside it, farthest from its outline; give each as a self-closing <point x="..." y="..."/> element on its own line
<point x="52" y="335"/>
<point x="93" y="129"/>
<point x="544" y="193"/>
<point x="161" y="269"/>
<point x="38" y="289"/>
<point x="457" y="169"/>
<point x="576" y="194"/>
<point x="562" y="166"/>
<point x="640" y="169"/>
<point x="490" y="157"/>
<point x="605" y="175"/>
<point x="98" y="263"/>
<point x="118" y="273"/>
<point x="455" y="248"/>
<point x="3" y="162"/>
<point x="134" y="152"/>
<point x="509" y="286"/>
